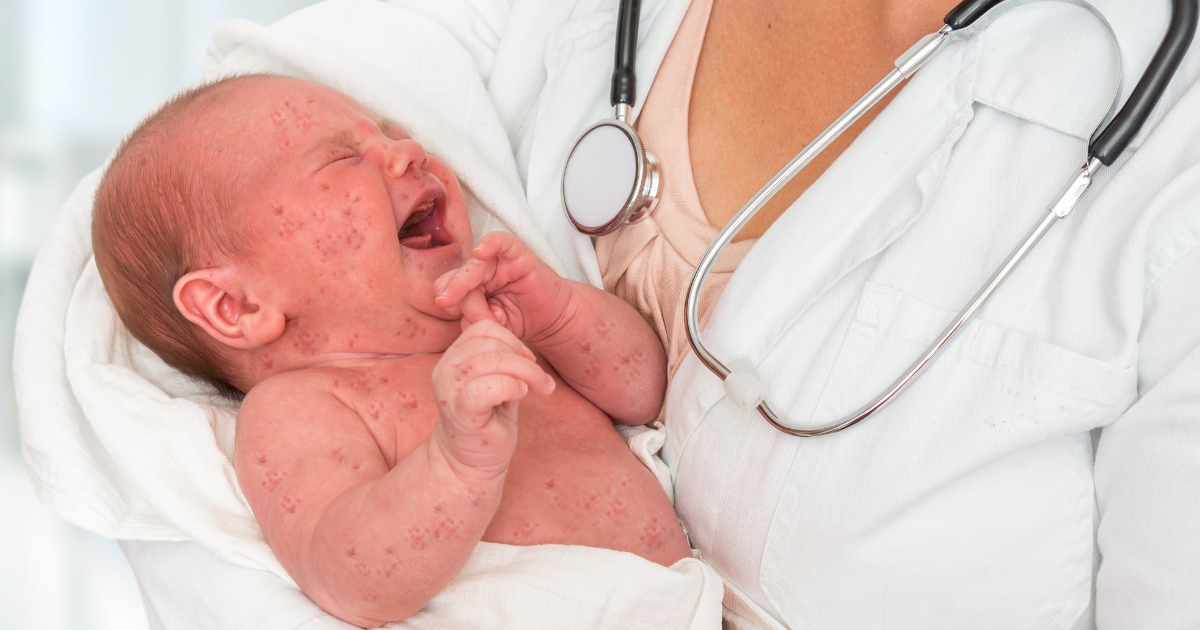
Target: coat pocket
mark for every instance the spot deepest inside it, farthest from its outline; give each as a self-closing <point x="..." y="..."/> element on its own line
<point x="1006" y="381"/>
<point x="966" y="502"/>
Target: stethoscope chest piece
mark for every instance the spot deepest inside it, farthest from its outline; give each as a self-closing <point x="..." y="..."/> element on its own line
<point x="610" y="179"/>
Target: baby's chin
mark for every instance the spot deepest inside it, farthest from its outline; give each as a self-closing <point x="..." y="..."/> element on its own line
<point x="430" y="263"/>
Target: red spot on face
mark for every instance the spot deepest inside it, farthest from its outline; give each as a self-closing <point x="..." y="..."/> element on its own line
<point x="289" y="504"/>
<point x="550" y="484"/>
<point x="262" y="460"/>
<point x="306" y="343"/>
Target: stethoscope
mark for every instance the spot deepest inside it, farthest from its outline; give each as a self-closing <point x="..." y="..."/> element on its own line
<point x="610" y="180"/>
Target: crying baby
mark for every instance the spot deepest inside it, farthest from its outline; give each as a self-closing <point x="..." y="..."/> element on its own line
<point x="406" y="394"/>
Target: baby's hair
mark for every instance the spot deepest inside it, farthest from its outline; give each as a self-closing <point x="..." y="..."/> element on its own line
<point x="159" y="215"/>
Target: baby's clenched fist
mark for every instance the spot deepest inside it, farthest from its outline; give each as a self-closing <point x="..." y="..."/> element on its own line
<point x="478" y="382"/>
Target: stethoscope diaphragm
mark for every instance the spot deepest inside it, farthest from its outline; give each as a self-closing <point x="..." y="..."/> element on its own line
<point x="610" y="179"/>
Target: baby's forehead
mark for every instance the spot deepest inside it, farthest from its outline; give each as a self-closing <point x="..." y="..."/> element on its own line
<point x="284" y="102"/>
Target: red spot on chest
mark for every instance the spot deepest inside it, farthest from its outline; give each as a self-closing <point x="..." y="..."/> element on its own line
<point x="604" y="328"/>
<point x="271" y="480"/>
<point x="653" y="535"/>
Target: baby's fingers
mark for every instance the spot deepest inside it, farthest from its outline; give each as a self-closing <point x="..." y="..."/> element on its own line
<point x="482" y="395"/>
<point x="482" y="331"/>
<point x="516" y="366"/>
<point x="500" y="245"/>
<point x="454" y="285"/>
<point x="475" y="308"/>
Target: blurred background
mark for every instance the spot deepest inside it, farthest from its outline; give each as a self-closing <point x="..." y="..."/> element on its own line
<point x="75" y="76"/>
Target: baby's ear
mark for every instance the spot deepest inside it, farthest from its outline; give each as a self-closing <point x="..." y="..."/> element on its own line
<point x="215" y="299"/>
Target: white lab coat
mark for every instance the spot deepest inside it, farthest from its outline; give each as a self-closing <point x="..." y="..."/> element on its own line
<point x="1045" y="473"/>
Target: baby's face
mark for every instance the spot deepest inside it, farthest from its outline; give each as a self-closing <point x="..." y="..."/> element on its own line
<point x="352" y="221"/>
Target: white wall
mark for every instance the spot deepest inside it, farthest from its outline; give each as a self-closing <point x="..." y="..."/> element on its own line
<point x="75" y="76"/>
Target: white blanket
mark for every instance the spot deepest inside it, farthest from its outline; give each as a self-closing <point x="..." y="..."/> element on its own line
<point x="119" y="443"/>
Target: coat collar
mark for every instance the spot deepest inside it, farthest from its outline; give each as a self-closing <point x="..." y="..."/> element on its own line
<point x="1026" y="64"/>
<point x="1046" y="62"/>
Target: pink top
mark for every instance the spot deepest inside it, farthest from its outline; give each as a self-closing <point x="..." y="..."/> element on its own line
<point x="650" y="264"/>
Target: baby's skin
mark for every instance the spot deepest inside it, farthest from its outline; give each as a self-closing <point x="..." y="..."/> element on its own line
<point x="407" y="398"/>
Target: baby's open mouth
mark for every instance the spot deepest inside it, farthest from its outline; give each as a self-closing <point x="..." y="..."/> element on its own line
<point x="424" y="228"/>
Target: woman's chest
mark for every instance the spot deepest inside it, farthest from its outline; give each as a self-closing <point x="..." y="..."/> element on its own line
<point x="771" y="76"/>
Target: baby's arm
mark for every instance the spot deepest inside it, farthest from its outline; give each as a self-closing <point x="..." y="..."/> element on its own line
<point x="599" y="344"/>
<point x="368" y="544"/>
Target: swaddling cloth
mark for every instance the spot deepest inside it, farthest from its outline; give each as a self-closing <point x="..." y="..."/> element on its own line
<point x="560" y="586"/>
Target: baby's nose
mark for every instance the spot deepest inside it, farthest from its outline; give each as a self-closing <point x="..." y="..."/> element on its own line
<point x="402" y="155"/>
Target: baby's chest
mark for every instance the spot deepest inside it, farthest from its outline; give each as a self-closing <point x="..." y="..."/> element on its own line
<point x="397" y="405"/>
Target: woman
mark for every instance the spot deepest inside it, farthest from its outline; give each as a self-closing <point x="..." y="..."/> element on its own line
<point x="988" y="495"/>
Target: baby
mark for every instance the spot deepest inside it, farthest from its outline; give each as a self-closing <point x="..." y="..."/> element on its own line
<point x="273" y="237"/>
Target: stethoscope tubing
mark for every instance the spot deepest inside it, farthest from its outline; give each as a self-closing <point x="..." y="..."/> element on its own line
<point x="1104" y="149"/>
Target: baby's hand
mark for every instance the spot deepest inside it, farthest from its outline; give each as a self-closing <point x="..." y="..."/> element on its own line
<point x="507" y="284"/>
<point x="477" y="383"/>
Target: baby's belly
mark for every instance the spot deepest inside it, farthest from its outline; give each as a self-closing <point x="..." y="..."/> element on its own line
<point x="573" y="481"/>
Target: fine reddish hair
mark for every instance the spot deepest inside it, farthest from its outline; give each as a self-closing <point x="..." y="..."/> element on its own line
<point x="164" y="208"/>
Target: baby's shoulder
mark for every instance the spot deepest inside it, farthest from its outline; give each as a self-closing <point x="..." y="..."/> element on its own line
<point x="288" y="392"/>
<point x="348" y="384"/>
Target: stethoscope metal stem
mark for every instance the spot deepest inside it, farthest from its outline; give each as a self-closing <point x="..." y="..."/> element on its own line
<point x="906" y="65"/>
<point x="1061" y="207"/>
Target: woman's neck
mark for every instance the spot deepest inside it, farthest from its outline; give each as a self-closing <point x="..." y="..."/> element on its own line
<point x="772" y="74"/>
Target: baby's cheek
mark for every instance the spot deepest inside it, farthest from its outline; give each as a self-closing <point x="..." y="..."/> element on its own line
<point x="326" y="227"/>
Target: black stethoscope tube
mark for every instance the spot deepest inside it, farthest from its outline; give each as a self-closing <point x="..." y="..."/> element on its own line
<point x="624" y="80"/>
<point x="1107" y="147"/>
<point x="1109" y="144"/>
<point x="967" y="12"/>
